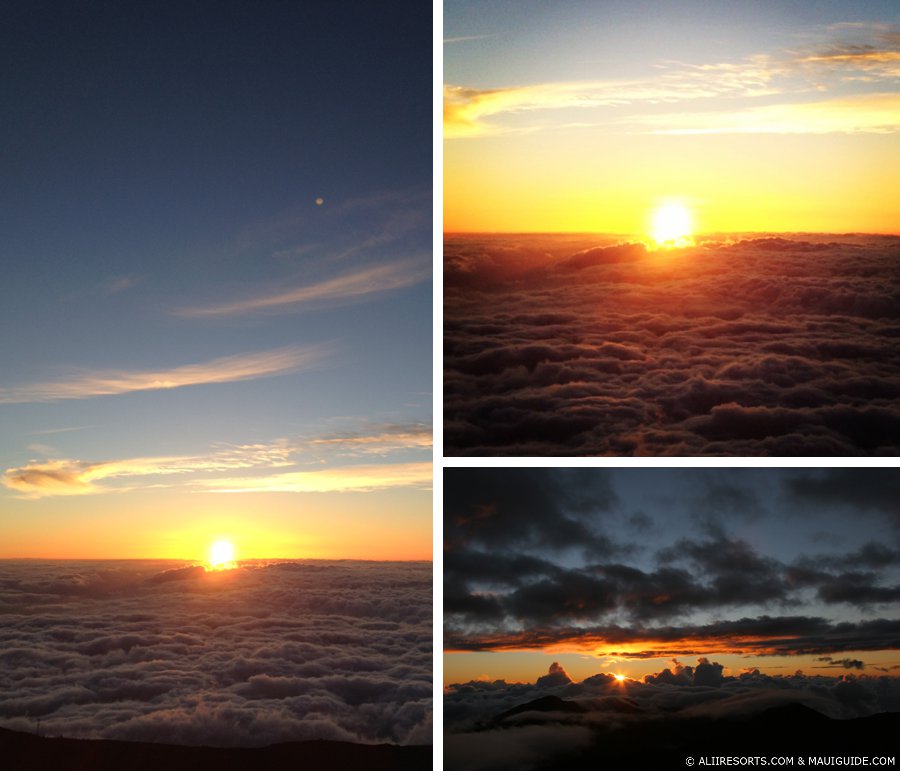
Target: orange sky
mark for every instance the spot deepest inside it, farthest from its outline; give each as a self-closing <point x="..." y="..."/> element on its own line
<point x="526" y="666"/>
<point x="392" y="524"/>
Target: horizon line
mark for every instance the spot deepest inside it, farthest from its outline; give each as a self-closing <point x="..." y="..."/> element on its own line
<point x="204" y="562"/>
<point x="696" y="235"/>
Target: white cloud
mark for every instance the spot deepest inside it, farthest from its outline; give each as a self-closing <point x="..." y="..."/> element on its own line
<point x="367" y="281"/>
<point x="227" y="369"/>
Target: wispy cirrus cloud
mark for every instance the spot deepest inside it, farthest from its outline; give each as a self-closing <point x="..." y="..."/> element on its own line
<point x="62" y="477"/>
<point x="344" y="479"/>
<point x="226" y="369"/>
<point x="832" y="66"/>
<point x="466" y="39"/>
<point x="381" y="441"/>
<point x="467" y="110"/>
<point x="366" y="281"/>
<point x="77" y="477"/>
<point x="864" y="113"/>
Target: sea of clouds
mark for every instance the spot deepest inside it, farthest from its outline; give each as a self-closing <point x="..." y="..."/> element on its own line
<point x="499" y="725"/>
<point x="580" y="345"/>
<point x="167" y="652"/>
<point x="679" y="690"/>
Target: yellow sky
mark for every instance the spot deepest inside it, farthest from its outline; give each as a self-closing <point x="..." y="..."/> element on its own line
<point x="791" y="182"/>
<point x="799" y="138"/>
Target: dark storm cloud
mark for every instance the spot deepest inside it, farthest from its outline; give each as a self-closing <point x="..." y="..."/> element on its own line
<point x="527" y="564"/>
<point x="864" y="490"/>
<point x="144" y="651"/>
<point x="553" y="508"/>
<point x="773" y="346"/>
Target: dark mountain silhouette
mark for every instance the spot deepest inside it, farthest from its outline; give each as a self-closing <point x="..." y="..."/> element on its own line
<point x="543" y="704"/>
<point x="28" y="752"/>
<point x="787" y="730"/>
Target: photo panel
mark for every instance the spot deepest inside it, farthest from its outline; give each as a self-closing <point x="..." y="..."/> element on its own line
<point x="667" y="617"/>
<point x="216" y="509"/>
<point x="671" y="229"/>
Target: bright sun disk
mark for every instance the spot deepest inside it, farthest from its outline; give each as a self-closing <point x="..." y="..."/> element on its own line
<point x="221" y="553"/>
<point x="620" y="678"/>
<point x="672" y="226"/>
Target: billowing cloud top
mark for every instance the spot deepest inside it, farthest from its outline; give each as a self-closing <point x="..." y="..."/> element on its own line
<point x="555" y="721"/>
<point x="561" y="345"/>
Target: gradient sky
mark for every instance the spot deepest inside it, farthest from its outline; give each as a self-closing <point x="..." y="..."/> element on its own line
<point x="215" y="305"/>
<point x="623" y="570"/>
<point x="584" y="116"/>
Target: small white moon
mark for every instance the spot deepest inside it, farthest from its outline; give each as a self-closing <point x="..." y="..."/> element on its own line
<point x="320" y="201"/>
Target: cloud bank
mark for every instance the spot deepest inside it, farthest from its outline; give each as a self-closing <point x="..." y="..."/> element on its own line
<point x="549" y="723"/>
<point x="555" y="558"/>
<point x="162" y="651"/>
<point x="559" y="345"/>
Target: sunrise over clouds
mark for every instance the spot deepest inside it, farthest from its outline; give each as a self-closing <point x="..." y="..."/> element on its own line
<point x="671" y="228"/>
<point x="216" y="391"/>
<point x="584" y="608"/>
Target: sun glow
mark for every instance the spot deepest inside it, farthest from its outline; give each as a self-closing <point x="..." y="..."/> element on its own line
<point x="672" y="226"/>
<point x="620" y="678"/>
<point x="221" y="555"/>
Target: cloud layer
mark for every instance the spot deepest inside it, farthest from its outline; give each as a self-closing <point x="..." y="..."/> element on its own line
<point x="555" y="558"/>
<point x="767" y="346"/>
<point x="162" y="651"/>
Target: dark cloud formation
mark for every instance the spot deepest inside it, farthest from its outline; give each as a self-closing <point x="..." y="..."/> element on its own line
<point x="862" y="491"/>
<point x="842" y="663"/>
<point x="565" y="345"/>
<point x="521" y="508"/>
<point x="500" y="725"/>
<point x="162" y="651"/>
<point x="534" y="558"/>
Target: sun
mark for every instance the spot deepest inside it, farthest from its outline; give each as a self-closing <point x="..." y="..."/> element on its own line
<point x="221" y="554"/>
<point x="672" y="226"/>
<point x="620" y="678"/>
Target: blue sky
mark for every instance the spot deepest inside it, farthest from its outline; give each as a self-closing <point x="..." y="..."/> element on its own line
<point x="217" y="235"/>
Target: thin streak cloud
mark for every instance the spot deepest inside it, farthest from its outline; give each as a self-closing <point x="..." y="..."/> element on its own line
<point x="226" y="369"/>
<point x="347" y="479"/>
<point x="371" y="280"/>
<point x="70" y="476"/>
<point x="389" y="439"/>
<point x="866" y="113"/>
<point x="826" y="67"/>
<point x="77" y="477"/>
